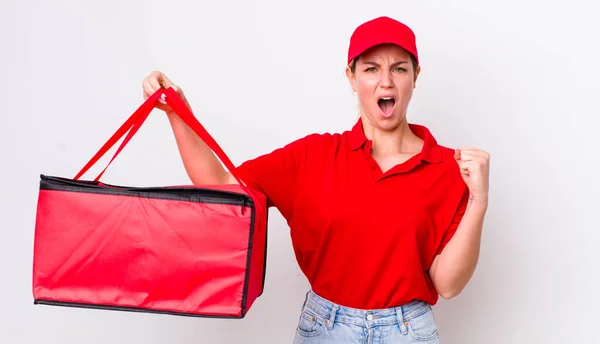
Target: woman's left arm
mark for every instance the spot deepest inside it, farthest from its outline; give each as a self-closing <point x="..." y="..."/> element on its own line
<point x="453" y="268"/>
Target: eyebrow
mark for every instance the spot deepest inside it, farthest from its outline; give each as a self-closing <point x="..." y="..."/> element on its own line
<point x="395" y="64"/>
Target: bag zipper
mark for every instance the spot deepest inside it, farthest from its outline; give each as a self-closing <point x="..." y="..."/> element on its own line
<point x="192" y="194"/>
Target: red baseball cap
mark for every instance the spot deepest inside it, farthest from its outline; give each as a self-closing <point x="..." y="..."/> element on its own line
<point x="379" y="31"/>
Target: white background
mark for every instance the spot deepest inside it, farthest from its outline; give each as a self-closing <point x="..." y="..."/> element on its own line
<point x="516" y="78"/>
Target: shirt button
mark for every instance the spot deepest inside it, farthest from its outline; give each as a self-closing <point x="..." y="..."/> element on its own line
<point x="370" y="317"/>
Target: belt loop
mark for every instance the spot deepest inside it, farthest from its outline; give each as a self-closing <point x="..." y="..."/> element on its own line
<point x="332" y="314"/>
<point x="306" y="299"/>
<point x="403" y="324"/>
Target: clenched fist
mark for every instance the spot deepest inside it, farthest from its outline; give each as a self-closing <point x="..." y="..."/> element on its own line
<point x="154" y="82"/>
<point x="474" y="166"/>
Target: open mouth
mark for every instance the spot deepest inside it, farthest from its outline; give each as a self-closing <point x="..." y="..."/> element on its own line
<point x="386" y="104"/>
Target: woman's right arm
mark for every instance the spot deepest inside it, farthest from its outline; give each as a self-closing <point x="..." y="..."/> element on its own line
<point x="200" y="163"/>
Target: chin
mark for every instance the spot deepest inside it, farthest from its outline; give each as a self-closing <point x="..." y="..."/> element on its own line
<point x="387" y="123"/>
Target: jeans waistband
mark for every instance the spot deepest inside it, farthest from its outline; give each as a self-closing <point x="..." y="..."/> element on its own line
<point x="364" y="317"/>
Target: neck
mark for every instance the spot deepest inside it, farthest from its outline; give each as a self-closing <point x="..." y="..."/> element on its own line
<point x="399" y="140"/>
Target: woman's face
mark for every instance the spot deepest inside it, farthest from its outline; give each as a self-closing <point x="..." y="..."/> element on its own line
<point x="383" y="80"/>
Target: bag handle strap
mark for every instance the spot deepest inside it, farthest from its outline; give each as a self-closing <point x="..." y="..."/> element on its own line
<point x="135" y="121"/>
<point x="143" y="111"/>
<point x="188" y="117"/>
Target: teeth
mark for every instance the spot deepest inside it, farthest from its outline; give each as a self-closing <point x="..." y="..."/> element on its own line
<point x="387" y="98"/>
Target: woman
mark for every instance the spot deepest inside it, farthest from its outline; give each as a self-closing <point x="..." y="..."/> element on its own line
<point x="382" y="218"/>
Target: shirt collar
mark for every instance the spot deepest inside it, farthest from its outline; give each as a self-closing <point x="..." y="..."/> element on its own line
<point x="430" y="152"/>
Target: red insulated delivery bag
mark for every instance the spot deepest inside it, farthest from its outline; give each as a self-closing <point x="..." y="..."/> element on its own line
<point x="182" y="250"/>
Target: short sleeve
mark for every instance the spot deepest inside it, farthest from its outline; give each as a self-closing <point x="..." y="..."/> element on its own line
<point x="458" y="215"/>
<point x="276" y="174"/>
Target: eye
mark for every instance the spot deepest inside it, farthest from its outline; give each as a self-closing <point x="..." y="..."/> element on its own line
<point x="370" y="69"/>
<point x="400" y="69"/>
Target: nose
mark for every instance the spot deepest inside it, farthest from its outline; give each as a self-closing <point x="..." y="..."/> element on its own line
<point x="386" y="80"/>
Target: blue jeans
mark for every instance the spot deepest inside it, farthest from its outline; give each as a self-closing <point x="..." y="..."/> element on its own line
<point x="324" y="322"/>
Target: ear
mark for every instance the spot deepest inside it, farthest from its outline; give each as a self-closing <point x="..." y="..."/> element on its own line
<point x="351" y="78"/>
<point x="417" y="71"/>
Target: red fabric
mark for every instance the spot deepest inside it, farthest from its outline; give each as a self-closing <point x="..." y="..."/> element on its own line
<point x="146" y="253"/>
<point x="188" y="249"/>
<point x="363" y="238"/>
<point x="379" y="31"/>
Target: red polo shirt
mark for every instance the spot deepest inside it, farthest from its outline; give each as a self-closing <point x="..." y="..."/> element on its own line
<point x="363" y="238"/>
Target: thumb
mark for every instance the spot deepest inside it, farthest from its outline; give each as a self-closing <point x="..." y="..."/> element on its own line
<point x="457" y="154"/>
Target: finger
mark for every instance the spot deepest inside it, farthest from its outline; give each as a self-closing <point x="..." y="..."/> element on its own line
<point x="457" y="154"/>
<point x="164" y="81"/>
<point x="167" y="81"/>
<point x="472" y="168"/>
<point x="154" y="83"/>
<point x="468" y="156"/>
<point x="470" y="148"/>
<point x="474" y="156"/>
<point x="466" y="167"/>
<point x="156" y="75"/>
<point x="148" y="90"/>
<point x="475" y="151"/>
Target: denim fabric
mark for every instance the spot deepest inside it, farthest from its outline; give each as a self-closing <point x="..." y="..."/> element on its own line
<point x="322" y="321"/>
